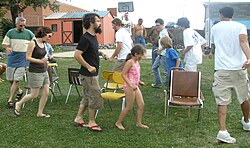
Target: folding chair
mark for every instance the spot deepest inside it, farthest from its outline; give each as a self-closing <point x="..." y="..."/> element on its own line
<point x="184" y="92"/>
<point x="73" y="74"/>
<point x="53" y="77"/>
<point x="109" y="94"/>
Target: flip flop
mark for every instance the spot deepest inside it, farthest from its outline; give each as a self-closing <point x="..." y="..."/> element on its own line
<point x="19" y="96"/>
<point x="10" y="104"/>
<point x="82" y="124"/>
<point x="44" y="116"/>
<point x="15" y="111"/>
<point x="95" y="128"/>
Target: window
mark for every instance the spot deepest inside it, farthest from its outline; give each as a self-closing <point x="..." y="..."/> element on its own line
<point x="54" y="27"/>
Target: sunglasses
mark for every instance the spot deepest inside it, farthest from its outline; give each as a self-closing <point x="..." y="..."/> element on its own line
<point x="22" y="25"/>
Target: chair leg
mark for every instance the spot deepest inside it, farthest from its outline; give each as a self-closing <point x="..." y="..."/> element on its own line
<point x="96" y="113"/>
<point x="77" y="91"/>
<point x="70" y="87"/>
<point x="109" y="105"/>
<point x="53" y="94"/>
<point x="59" y="88"/>
<point x="167" y="111"/>
<point x="123" y="103"/>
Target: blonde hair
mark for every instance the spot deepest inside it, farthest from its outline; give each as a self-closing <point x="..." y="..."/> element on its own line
<point x="166" y="42"/>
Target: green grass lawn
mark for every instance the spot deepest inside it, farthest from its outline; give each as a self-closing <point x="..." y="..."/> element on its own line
<point x="58" y="131"/>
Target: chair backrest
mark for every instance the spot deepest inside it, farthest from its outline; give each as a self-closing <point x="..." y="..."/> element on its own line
<point x="117" y="77"/>
<point x="107" y="75"/>
<point x="185" y="83"/>
<point x="73" y="74"/>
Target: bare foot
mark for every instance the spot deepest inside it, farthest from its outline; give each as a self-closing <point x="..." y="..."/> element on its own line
<point x="142" y="126"/>
<point x="119" y="126"/>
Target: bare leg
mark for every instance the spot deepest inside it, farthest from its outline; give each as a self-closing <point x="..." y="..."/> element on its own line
<point x="130" y="98"/>
<point x="43" y="100"/>
<point x="245" y="110"/>
<point x="79" y="116"/>
<point x="222" y="114"/>
<point x="140" y="105"/>
<point x="34" y="94"/>
<point x="13" y="89"/>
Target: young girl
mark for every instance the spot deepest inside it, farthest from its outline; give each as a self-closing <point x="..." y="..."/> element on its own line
<point x="38" y="77"/>
<point x="131" y="76"/>
<point x="172" y="57"/>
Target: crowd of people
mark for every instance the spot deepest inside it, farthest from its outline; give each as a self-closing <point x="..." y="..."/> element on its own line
<point x="232" y="58"/>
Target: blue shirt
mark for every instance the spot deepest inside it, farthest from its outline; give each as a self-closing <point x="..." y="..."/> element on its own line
<point x="171" y="57"/>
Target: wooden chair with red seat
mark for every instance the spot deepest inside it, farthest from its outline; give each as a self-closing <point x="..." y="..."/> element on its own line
<point x="184" y="92"/>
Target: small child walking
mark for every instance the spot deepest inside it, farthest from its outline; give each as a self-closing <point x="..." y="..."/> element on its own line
<point x="172" y="57"/>
<point x="131" y="76"/>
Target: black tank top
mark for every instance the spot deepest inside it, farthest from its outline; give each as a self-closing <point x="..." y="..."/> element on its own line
<point x="38" y="53"/>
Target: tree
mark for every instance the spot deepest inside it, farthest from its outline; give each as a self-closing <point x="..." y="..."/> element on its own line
<point x="18" y="6"/>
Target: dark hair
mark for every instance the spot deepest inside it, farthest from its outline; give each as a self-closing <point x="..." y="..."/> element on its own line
<point x="160" y="21"/>
<point x="117" y="22"/>
<point x="227" y="12"/>
<point x="138" y="48"/>
<point x="42" y="31"/>
<point x="89" y="18"/>
<point x="183" y="22"/>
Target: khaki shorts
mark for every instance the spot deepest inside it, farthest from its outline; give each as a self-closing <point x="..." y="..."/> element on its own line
<point x="91" y="92"/>
<point x="119" y="65"/>
<point x="15" y="73"/>
<point x="225" y="80"/>
<point x="38" y="79"/>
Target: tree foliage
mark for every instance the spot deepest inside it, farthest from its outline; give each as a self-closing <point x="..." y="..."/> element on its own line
<point x="18" y="6"/>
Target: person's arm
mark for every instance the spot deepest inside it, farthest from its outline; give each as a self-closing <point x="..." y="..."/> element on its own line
<point x="145" y="32"/>
<point x="117" y="50"/>
<point x="178" y="61"/>
<point x="103" y="55"/>
<point x="7" y="48"/>
<point x="185" y="51"/>
<point x="245" y="48"/>
<point x="29" y="52"/>
<point x="133" y="34"/>
<point x="80" y="60"/>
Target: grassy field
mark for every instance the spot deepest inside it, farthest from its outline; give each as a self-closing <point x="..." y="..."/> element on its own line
<point x="58" y="131"/>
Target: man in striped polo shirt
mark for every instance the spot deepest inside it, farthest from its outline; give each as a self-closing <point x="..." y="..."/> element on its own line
<point x="15" y="43"/>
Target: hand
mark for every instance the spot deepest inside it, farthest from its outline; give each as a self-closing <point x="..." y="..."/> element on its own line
<point x="44" y="60"/>
<point x="92" y="69"/>
<point x="8" y="50"/>
<point x="210" y="55"/>
<point x="111" y="59"/>
<point x="134" y="87"/>
<point x="105" y="57"/>
<point x="182" y="56"/>
<point x="142" y="84"/>
<point x="246" y="64"/>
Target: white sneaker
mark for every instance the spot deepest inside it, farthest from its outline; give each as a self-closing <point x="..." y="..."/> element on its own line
<point x="246" y="126"/>
<point x="224" y="136"/>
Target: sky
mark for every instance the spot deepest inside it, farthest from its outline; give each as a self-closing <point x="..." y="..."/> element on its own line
<point x="149" y="10"/>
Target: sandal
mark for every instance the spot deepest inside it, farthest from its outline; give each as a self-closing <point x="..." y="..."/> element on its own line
<point x="10" y="104"/>
<point x="19" y="96"/>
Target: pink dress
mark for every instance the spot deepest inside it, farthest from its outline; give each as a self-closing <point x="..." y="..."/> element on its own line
<point x="133" y="75"/>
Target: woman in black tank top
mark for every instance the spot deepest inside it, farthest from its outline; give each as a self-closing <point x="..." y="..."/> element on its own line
<point x="37" y="76"/>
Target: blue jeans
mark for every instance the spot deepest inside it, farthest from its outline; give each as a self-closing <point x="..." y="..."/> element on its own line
<point x="154" y="55"/>
<point x="159" y="60"/>
<point x="140" y="40"/>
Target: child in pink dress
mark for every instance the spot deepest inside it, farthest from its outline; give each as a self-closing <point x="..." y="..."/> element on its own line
<point x="131" y="76"/>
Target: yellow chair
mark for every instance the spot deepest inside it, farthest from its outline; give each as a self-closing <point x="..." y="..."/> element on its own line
<point x="117" y="93"/>
<point x="107" y="75"/>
